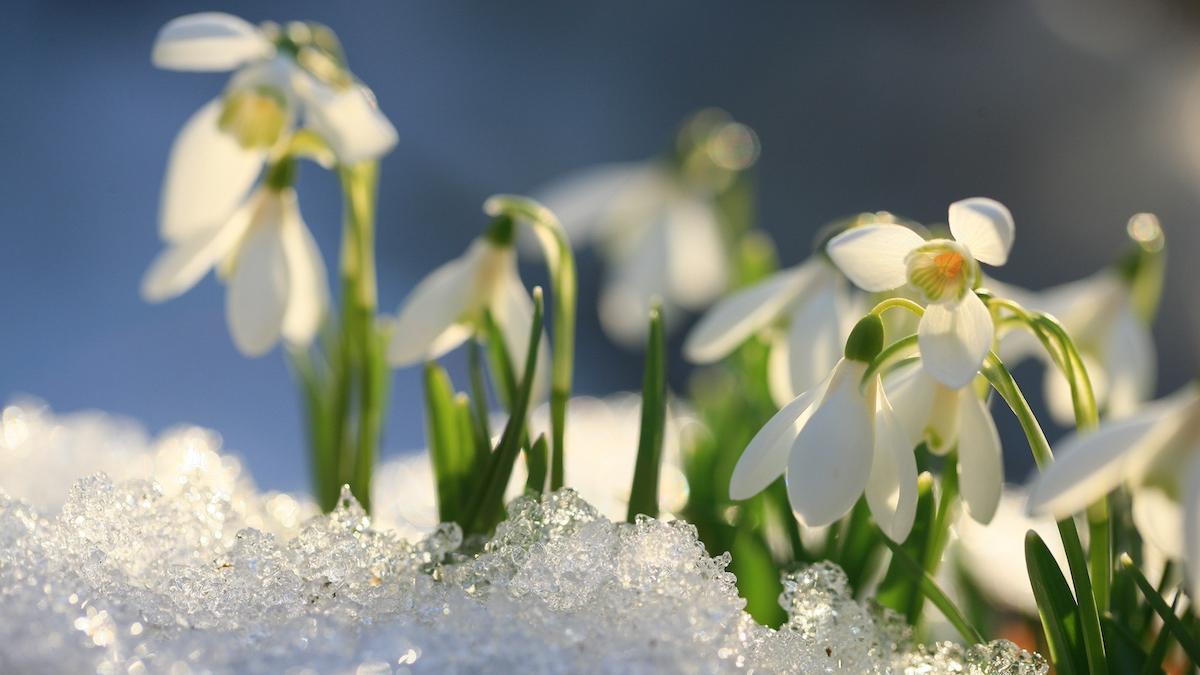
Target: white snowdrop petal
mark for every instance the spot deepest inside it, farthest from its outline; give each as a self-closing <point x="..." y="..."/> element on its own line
<point x="185" y="262"/>
<point x="208" y="176"/>
<point x="308" y="292"/>
<point x="739" y="316"/>
<point x="1191" y="525"/>
<point x="814" y="337"/>
<point x="430" y="313"/>
<point x="1057" y="391"/>
<point x="892" y="485"/>
<point x="872" y="256"/>
<point x="980" y="458"/>
<point x="583" y="199"/>
<point x="258" y="291"/>
<point x="779" y="374"/>
<point x="954" y="340"/>
<point x="766" y="456"/>
<point x="831" y="457"/>
<point x="910" y="392"/>
<point x="985" y="226"/>
<point x="696" y="263"/>
<point x="208" y="41"/>
<point x="350" y="121"/>
<point x="1159" y="520"/>
<point x="1129" y="364"/>
<point x="1088" y="466"/>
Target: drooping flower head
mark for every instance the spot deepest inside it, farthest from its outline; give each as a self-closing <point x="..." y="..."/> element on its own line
<point x="806" y="313"/>
<point x="656" y="222"/>
<point x="1156" y="453"/>
<point x="212" y="215"/>
<point x="447" y="306"/>
<point x="956" y="330"/>
<point x="836" y="442"/>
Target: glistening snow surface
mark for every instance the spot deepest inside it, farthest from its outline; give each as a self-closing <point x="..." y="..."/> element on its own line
<point x="176" y="564"/>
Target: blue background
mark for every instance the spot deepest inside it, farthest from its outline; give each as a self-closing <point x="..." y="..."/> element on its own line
<point x="1075" y="118"/>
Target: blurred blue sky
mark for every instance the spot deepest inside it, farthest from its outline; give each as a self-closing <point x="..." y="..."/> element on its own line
<point x="1074" y="118"/>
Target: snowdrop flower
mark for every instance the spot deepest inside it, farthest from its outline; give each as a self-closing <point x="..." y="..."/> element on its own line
<point x="447" y="306"/>
<point x="945" y="419"/>
<point x="281" y="76"/>
<point x="1110" y="327"/>
<point x="819" y="309"/>
<point x="656" y="223"/>
<point x="956" y="331"/>
<point x="270" y="263"/>
<point x="834" y="442"/>
<point x="1156" y="453"/>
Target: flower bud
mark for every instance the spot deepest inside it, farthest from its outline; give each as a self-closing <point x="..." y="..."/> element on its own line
<point x="866" y="339"/>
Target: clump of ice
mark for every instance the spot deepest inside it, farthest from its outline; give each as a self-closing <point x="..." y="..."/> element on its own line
<point x="135" y="576"/>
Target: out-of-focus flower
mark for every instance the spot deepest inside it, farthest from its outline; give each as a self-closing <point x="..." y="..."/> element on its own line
<point x="956" y="331"/>
<point x="1156" y="452"/>
<point x="1108" y="315"/>
<point x="448" y="305"/>
<point x="270" y="262"/>
<point x="948" y="419"/>
<point x="211" y="215"/>
<point x="835" y="442"/>
<point x="601" y="451"/>
<point x="993" y="555"/>
<point x="657" y="224"/>
<point x="817" y="306"/>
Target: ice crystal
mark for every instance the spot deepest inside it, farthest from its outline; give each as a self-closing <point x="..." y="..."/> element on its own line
<point x="194" y="571"/>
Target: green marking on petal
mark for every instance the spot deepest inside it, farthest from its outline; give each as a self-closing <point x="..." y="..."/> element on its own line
<point x="256" y="117"/>
<point x="942" y="270"/>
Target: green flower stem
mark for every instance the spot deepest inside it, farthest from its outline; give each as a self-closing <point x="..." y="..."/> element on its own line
<point x="363" y="380"/>
<point x="561" y="261"/>
<point x="898" y="303"/>
<point x="1063" y="351"/>
<point x="930" y="590"/>
<point x="947" y="508"/>
<point x="997" y="373"/>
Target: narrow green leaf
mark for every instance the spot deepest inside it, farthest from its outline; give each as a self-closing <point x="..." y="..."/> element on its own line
<point x="487" y="509"/>
<point x="1056" y="607"/>
<point x="1125" y="654"/>
<point x="859" y="552"/>
<point x="1162" y="642"/>
<point x="758" y="578"/>
<point x="935" y="594"/>
<point x="503" y="373"/>
<point x="643" y="496"/>
<point x="479" y="398"/>
<point x="1171" y="622"/>
<point x="537" y="459"/>
<point x="452" y="460"/>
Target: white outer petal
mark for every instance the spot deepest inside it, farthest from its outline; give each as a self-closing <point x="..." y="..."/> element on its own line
<point x="980" y="458"/>
<point x="583" y="198"/>
<point x="185" y="262"/>
<point x="258" y="290"/>
<point x="910" y="392"/>
<point x="350" y="121"/>
<point x="814" y="336"/>
<point x="1191" y="526"/>
<point x="1129" y="364"/>
<point x="892" y="484"/>
<point x="208" y="176"/>
<point x="427" y="321"/>
<point x="739" y="316"/>
<point x="954" y="340"/>
<point x="985" y="226"/>
<point x="765" y="457"/>
<point x="1159" y="520"/>
<point x="631" y="282"/>
<point x="1088" y="466"/>
<point x="872" y="256"/>
<point x="831" y="457"/>
<point x="696" y="264"/>
<point x="208" y="41"/>
<point x="308" y="288"/>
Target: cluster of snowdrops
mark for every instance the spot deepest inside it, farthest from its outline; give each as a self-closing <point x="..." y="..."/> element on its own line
<point x="845" y="404"/>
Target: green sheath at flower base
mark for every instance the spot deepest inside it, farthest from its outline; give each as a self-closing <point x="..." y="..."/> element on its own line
<point x="866" y="339"/>
<point x="561" y="261"/>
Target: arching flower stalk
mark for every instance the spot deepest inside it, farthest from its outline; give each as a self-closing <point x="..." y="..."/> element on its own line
<point x="290" y="97"/>
<point x="664" y="226"/>
<point x="1109" y="315"/>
